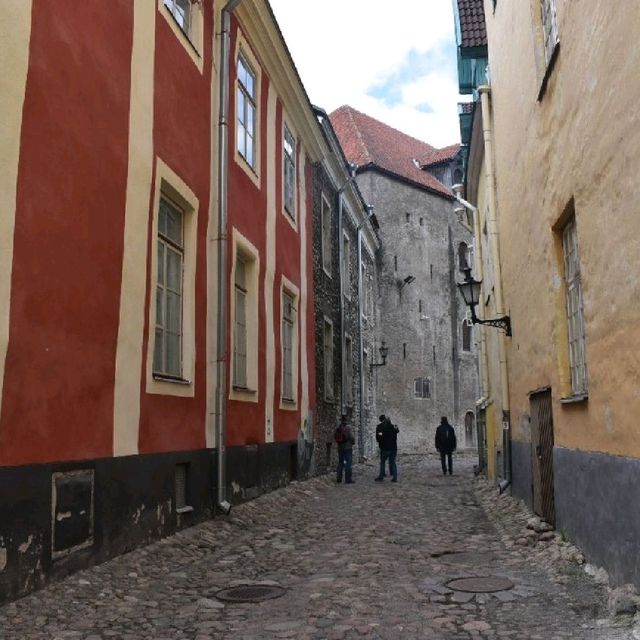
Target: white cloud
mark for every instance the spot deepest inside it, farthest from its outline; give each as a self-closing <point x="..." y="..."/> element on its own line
<point x="343" y="49"/>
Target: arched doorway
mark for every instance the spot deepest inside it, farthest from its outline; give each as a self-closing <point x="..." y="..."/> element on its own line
<point x="469" y="430"/>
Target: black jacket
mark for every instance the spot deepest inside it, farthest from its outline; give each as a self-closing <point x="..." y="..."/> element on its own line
<point x="445" y="438"/>
<point x="387" y="436"/>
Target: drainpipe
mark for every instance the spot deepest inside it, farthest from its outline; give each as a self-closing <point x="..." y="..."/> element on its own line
<point x="223" y="171"/>
<point x="343" y="386"/>
<point x="492" y="229"/>
<point x="361" y="284"/>
<point x="478" y="269"/>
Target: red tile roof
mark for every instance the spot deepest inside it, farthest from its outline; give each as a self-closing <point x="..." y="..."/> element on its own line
<point x="442" y="155"/>
<point x="367" y="141"/>
<point x="472" y="25"/>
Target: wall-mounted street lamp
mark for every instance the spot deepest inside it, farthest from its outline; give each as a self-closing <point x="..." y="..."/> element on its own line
<point x="405" y="282"/>
<point x="384" y="350"/>
<point x="470" y="290"/>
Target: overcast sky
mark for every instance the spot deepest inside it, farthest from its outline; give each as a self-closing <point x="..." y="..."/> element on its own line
<point x="395" y="61"/>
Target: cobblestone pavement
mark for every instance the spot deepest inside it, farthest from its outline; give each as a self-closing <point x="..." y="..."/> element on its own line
<point x="369" y="560"/>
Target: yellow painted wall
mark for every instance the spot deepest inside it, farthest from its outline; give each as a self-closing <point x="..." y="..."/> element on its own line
<point x="581" y="141"/>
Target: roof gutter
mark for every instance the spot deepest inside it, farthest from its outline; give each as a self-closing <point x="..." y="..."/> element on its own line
<point x="223" y="172"/>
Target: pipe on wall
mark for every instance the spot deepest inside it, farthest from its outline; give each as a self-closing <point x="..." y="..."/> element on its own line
<point x="223" y="172"/>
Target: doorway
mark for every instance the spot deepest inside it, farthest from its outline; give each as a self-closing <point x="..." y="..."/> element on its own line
<point x="469" y="430"/>
<point x="542" y="455"/>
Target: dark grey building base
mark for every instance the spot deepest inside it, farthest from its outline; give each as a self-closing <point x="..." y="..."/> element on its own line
<point x="597" y="500"/>
<point x="521" y="478"/>
<point x="58" y="518"/>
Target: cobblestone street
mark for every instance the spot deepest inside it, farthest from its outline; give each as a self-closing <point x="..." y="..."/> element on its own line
<point x="369" y="560"/>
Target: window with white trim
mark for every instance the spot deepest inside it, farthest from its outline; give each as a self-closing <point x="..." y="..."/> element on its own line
<point x="348" y="369"/>
<point x="575" y="310"/>
<point x="549" y="27"/>
<point x="240" y="324"/>
<point x="325" y="215"/>
<point x="365" y="291"/>
<point x="181" y="10"/>
<point x="167" y="355"/>
<point x="327" y="352"/>
<point x="289" y="172"/>
<point x="246" y="111"/>
<point x="288" y="337"/>
<point x="422" y="388"/>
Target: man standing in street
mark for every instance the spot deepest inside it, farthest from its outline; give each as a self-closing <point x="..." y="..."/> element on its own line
<point x="387" y="437"/>
<point x="445" y="443"/>
<point x="345" y="440"/>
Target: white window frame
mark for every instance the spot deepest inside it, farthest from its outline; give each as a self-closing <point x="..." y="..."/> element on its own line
<point x="421" y="388"/>
<point x="246" y="93"/>
<point x="326" y="234"/>
<point x="327" y="359"/>
<point x="245" y="55"/>
<point x="244" y="250"/>
<point x="288" y="327"/>
<point x="289" y="175"/>
<point x="365" y="291"/>
<point x="574" y="310"/>
<point x="190" y="34"/>
<point x="168" y="185"/>
<point x="169" y="245"/>
<point x="239" y="379"/>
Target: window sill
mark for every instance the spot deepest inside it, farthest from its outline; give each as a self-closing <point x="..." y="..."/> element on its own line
<point x="183" y="32"/>
<point x="327" y="273"/>
<point x="289" y="401"/>
<point x="176" y="380"/>
<point x="581" y="397"/>
<point x="185" y="509"/>
<point x="240" y="389"/>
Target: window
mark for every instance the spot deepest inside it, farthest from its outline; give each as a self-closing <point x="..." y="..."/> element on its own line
<point x="181" y="11"/>
<point x="246" y="111"/>
<point x="325" y="215"/>
<point x="182" y="488"/>
<point x="167" y="355"/>
<point x="466" y="335"/>
<point x="365" y="291"/>
<point x="404" y="350"/>
<point x="420" y="306"/>
<point x="288" y="326"/>
<point x="422" y="388"/>
<point x="395" y="263"/>
<point x="346" y="266"/>
<point x="327" y="347"/>
<point x="240" y="325"/>
<point x="348" y="369"/>
<point x="463" y="256"/>
<point x="575" y="312"/>
<point x="457" y="176"/>
<point x="289" y="173"/>
<point x="549" y="27"/>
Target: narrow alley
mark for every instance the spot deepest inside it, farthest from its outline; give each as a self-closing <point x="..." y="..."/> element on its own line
<point x="370" y="560"/>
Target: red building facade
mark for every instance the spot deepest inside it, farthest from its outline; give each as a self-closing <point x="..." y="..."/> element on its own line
<point x="114" y="342"/>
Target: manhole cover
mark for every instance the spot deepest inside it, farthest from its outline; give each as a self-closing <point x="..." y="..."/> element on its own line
<point x="484" y="584"/>
<point x="251" y="593"/>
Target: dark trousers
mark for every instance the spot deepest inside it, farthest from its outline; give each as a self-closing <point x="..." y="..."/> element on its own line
<point x="345" y="457"/>
<point x="442" y="461"/>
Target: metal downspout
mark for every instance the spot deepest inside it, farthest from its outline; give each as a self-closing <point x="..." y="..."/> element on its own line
<point x="223" y="171"/>
<point x="492" y="224"/>
<point x="341" y="273"/>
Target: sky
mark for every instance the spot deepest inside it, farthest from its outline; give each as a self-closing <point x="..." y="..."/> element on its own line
<point x="395" y="61"/>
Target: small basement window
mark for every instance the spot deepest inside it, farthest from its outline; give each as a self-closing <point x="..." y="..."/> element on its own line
<point x="182" y="477"/>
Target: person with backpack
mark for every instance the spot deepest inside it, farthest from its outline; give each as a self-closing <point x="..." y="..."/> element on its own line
<point x="345" y="440"/>
<point x="446" y="443"/>
<point x="387" y="437"/>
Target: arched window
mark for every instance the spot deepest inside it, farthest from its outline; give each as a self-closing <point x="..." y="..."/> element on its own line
<point x="463" y="256"/>
<point x="466" y="335"/>
<point x="470" y="429"/>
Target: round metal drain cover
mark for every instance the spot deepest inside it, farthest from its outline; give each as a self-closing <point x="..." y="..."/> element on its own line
<point x="484" y="584"/>
<point x="251" y="593"/>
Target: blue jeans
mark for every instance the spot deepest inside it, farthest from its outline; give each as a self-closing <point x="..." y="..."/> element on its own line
<point x="391" y="456"/>
<point x="345" y="457"/>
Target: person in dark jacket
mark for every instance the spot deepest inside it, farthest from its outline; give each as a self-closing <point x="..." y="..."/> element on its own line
<point x="387" y="437"/>
<point x="445" y="443"/>
<point x="344" y="438"/>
